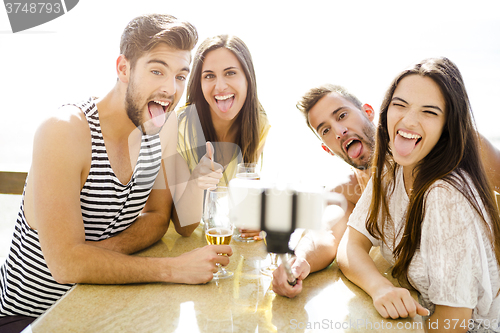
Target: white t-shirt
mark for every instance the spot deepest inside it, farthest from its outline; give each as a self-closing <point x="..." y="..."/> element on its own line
<point x="455" y="264"/>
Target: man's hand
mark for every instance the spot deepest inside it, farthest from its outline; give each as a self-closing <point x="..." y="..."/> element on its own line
<point x="396" y="303"/>
<point x="207" y="173"/>
<point x="249" y="233"/>
<point x="198" y="265"/>
<point x="300" y="269"/>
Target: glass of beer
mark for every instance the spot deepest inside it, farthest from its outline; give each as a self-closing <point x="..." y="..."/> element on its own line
<point x="218" y="227"/>
<point x="246" y="171"/>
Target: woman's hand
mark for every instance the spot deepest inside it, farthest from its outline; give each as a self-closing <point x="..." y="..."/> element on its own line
<point x="396" y="303"/>
<point x="207" y="173"/>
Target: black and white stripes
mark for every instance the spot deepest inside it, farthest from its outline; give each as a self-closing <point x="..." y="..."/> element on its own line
<point x="108" y="207"/>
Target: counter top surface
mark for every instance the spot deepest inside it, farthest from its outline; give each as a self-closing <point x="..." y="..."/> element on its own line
<point x="243" y="303"/>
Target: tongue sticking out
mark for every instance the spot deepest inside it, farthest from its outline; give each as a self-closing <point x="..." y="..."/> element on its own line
<point x="404" y="146"/>
<point x="225" y="104"/>
<point x="157" y="114"/>
<point x="354" y="149"/>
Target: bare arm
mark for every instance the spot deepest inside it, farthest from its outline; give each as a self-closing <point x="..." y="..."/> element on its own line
<point x="189" y="200"/>
<point x="185" y="230"/>
<point x="317" y="249"/>
<point x="491" y="159"/>
<point x="147" y="229"/>
<point x="189" y="190"/>
<point x="58" y="163"/>
<point x="355" y="262"/>
<point x="185" y="188"/>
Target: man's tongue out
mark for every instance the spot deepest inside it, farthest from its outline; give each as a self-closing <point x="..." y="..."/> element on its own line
<point x="225" y="104"/>
<point x="157" y="114"/>
<point x="403" y="145"/>
<point x="354" y="149"/>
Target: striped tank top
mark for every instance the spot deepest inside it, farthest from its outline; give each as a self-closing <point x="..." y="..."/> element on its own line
<point x="108" y="207"/>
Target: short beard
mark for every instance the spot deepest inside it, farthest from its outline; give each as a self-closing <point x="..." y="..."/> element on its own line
<point x="369" y="133"/>
<point x="133" y="111"/>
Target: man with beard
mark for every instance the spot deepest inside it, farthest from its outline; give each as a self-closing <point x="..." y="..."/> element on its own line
<point x="89" y="199"/>
<point x="345" y="127"/>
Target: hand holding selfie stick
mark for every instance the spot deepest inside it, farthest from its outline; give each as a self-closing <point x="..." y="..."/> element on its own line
<point x="290" y="277"/>
<point x="278" y="211"/>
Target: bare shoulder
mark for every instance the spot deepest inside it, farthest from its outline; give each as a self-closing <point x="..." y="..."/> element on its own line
<point x="350" y="189"/>
<point x="488" y="151"/>
<point x="62" y="152"/>
<point x="490" y="156"/>
<point x="66" y="118"/>
<point x="66" y="130"/>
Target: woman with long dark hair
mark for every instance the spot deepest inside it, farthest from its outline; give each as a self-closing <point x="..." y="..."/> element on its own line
<point x="222" y="107"/>
<point x="430" y="208"/>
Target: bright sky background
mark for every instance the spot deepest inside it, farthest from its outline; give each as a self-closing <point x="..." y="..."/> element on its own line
<point x="361" y="45"/>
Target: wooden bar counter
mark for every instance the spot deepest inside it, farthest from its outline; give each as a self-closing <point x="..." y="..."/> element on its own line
<point x="243" y="303"/>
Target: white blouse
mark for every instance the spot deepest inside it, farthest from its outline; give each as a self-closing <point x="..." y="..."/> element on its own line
<point x="455" y="265"/>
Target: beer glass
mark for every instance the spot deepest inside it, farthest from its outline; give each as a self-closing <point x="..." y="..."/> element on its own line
<point x="218" y="227"/>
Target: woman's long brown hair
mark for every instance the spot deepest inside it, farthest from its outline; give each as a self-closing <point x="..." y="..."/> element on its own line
<point x="248" y="119"/>
<point x="455" y="157"/>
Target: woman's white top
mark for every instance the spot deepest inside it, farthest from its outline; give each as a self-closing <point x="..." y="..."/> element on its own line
<point x="455" y="264"/>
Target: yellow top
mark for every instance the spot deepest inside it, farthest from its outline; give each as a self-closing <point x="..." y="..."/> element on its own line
<point x="190" y="153"/>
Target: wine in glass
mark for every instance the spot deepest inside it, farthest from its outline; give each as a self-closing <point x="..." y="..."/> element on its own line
<point x="269" y="269"/>
<point x="218" y="227"/>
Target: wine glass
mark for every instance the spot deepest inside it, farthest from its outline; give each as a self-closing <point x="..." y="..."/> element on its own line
<point x="218" y="227"/>
<point x="269" y="269"/>
<point x="246" y="171"/>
